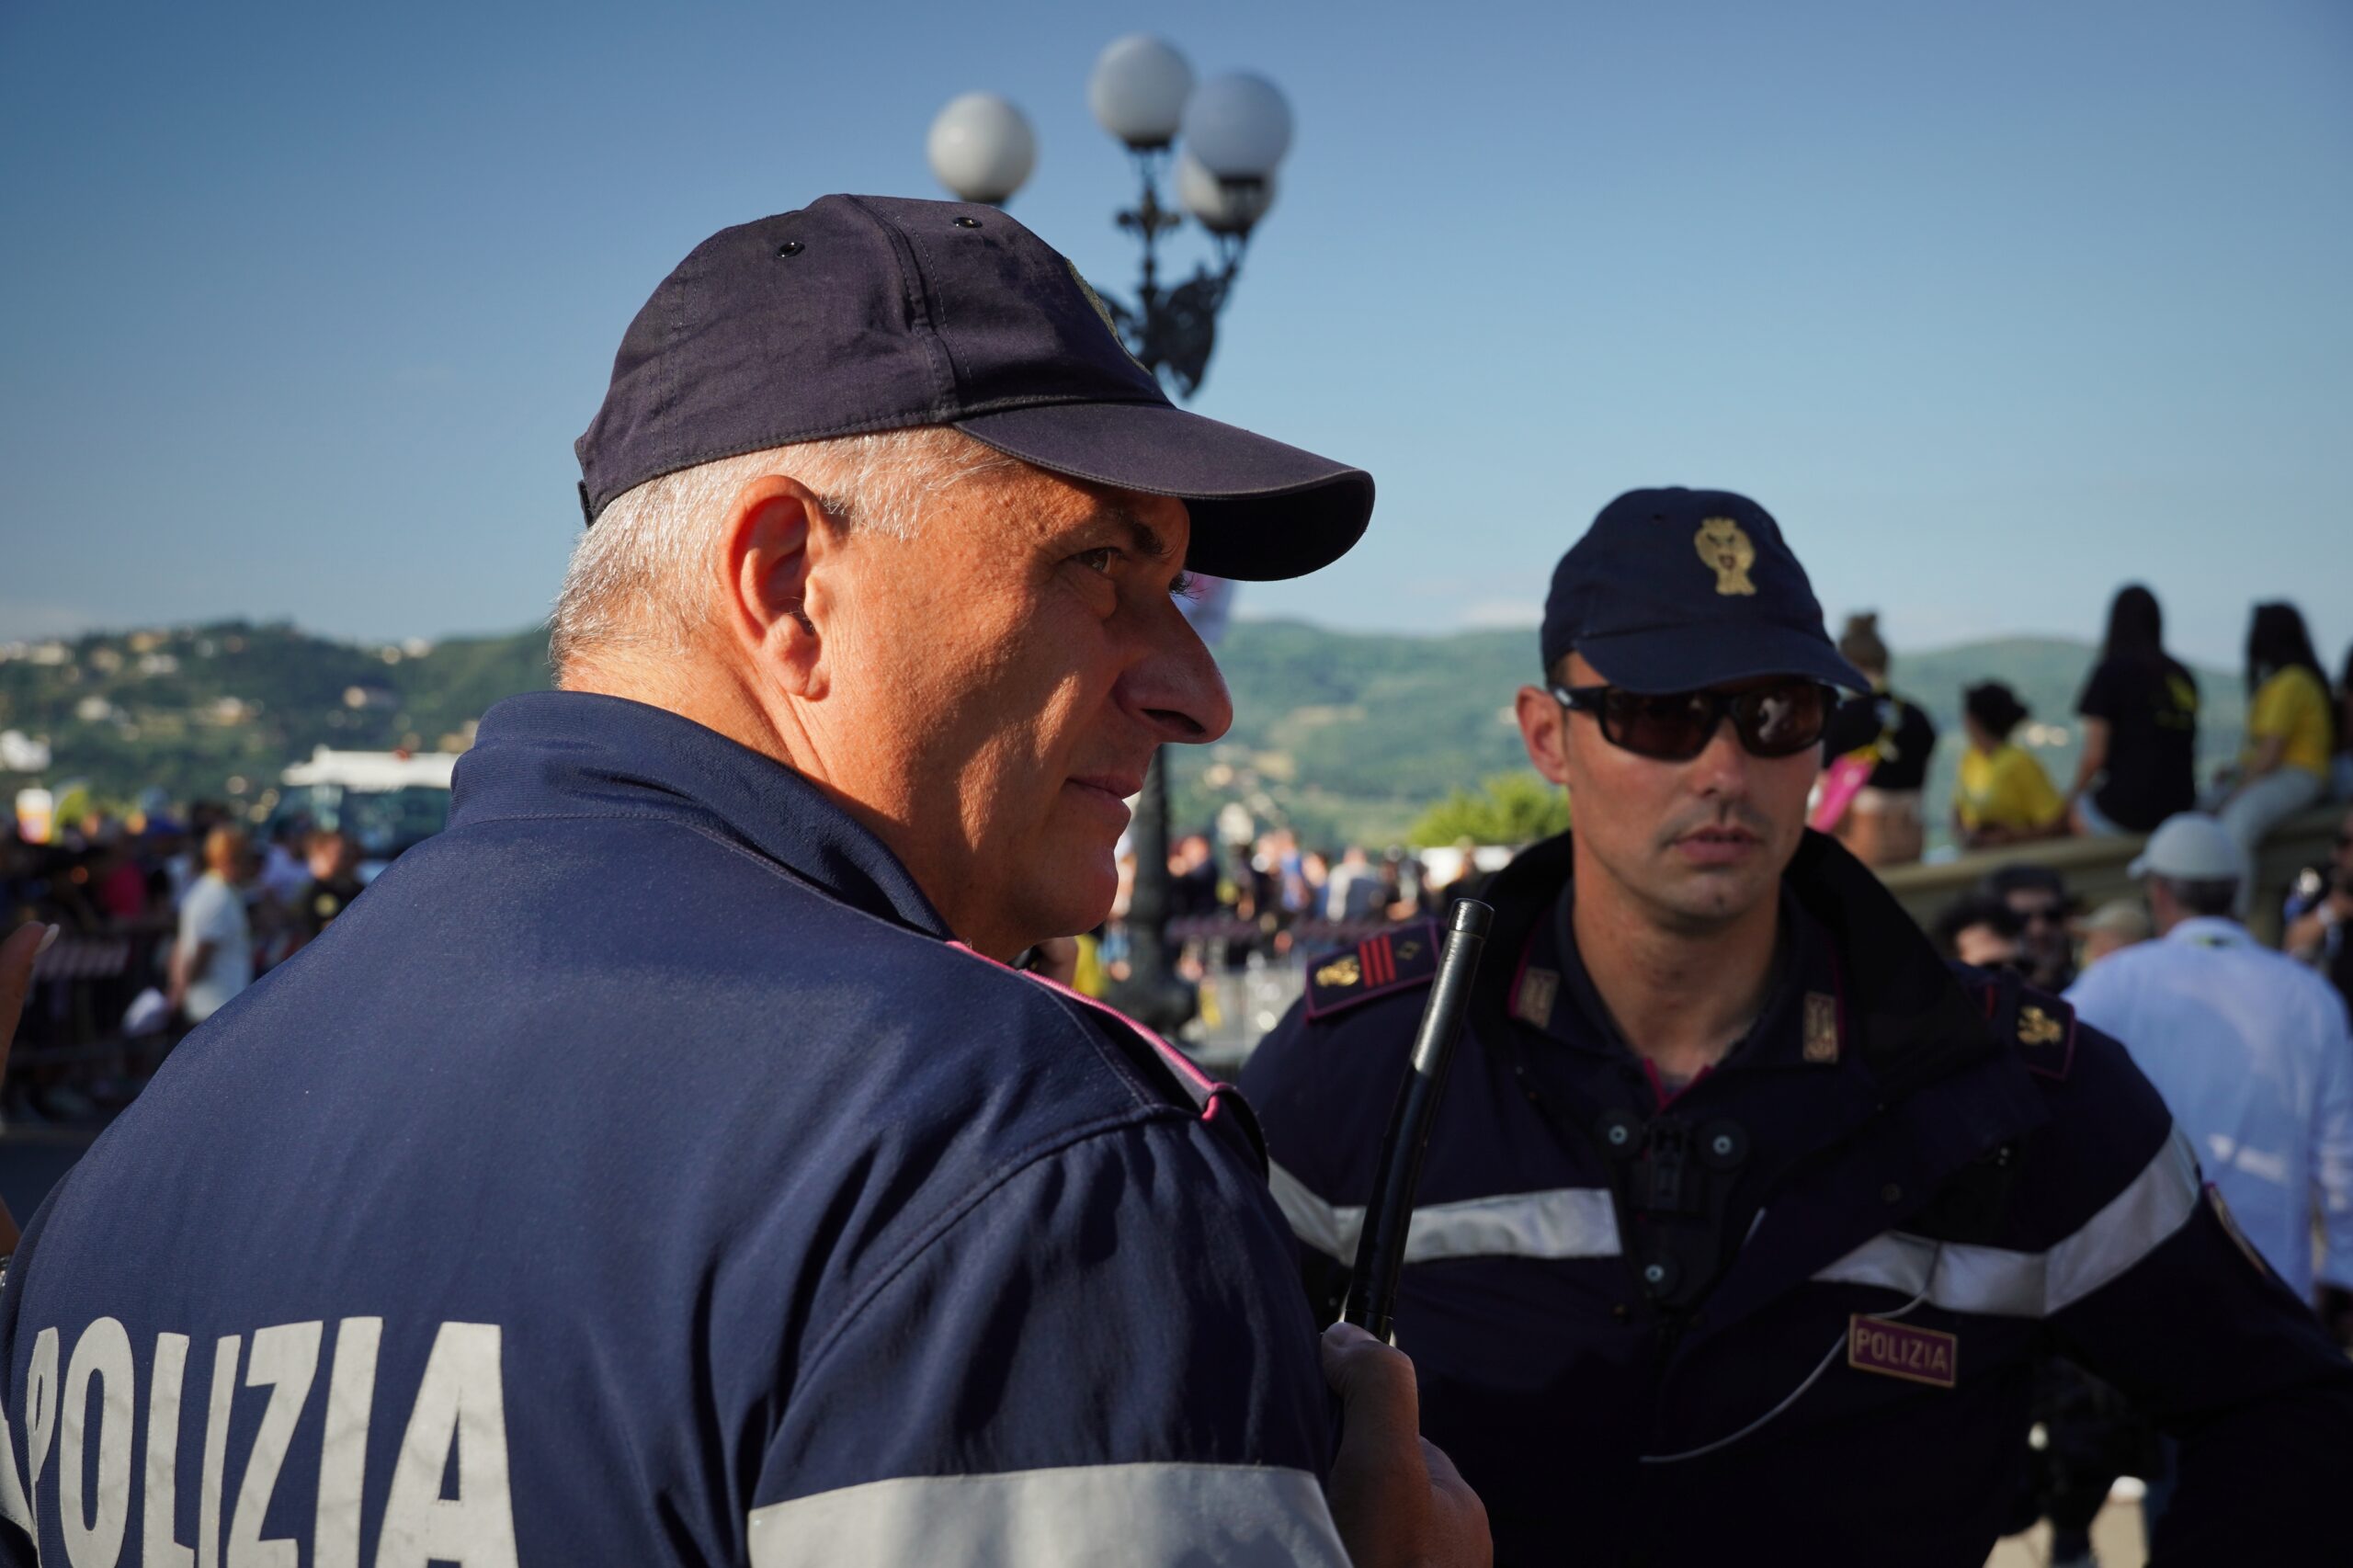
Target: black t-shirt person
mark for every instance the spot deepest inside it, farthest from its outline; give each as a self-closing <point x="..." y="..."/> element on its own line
<point x="325" y="898"/>
<point x="2151" y="708"/>
<point x="1903" y="734"/>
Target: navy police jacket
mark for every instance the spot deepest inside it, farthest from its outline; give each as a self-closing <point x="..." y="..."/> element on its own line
<point x="1793" y="1311"/>
<point x="639" y="1173"/>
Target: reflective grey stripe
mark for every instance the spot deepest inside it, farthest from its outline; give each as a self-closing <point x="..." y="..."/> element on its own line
<point x="1235" y="1516"/>
<point x="1567" y="1222"/>
<point x="1329" y="1229"/>
<point x="2002" y="1283"/>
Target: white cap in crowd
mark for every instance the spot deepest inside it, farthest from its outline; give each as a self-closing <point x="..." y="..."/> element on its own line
<point x="2191" y="846"/>
<point x="2125" y="917"/>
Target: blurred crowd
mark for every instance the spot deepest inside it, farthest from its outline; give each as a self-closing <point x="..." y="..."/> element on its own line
<point x="162" y="919"/>
<point x="2023" y="918"/>
<point x="2139" y="711"/>
<point x="1265" y="898"/>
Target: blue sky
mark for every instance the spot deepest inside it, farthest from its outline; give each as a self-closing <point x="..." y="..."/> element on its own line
<point x="1994" y="306"/>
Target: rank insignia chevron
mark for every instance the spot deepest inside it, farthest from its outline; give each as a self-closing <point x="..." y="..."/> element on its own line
<point x="1388" y="960"/>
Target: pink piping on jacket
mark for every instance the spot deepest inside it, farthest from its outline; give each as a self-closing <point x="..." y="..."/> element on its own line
<point x="1182" y="1064"/>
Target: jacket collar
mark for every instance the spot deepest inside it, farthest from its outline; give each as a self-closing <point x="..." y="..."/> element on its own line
<point x="2211" y="931"/>
<point x="572" y="754"/>
<point x="1580" y="1019"/>
<point x="1915" y="1020"/>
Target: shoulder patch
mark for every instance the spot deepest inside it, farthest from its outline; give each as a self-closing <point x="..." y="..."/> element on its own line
<point x="2040" y="1026"/>
<point x="1391" y="960"/>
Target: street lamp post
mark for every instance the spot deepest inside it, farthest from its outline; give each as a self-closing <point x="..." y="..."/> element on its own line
<point x="1222" y="139"/>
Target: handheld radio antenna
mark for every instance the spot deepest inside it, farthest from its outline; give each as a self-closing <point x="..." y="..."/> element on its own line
<point x="1381" y="1249"/>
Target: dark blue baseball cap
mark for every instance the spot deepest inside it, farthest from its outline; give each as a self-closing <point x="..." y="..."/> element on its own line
<point x="1672" y="590"/>
<point x="864" y="312"/>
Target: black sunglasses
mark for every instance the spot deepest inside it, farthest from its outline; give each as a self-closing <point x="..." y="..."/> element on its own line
<point x="1780" y="719"/>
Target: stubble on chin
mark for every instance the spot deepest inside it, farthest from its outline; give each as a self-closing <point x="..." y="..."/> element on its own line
<point x="1697" y="900"/>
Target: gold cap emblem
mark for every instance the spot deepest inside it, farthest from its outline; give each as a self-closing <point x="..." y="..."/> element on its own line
<point x="1724" y="547"/>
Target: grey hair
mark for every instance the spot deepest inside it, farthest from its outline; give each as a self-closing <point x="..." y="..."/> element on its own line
<point x="2208" y="896"/>
<point x="630" y="582"/>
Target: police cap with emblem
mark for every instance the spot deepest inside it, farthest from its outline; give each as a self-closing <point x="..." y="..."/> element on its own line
<point x="1674" y="590"/>
<point x="863" y="314"/>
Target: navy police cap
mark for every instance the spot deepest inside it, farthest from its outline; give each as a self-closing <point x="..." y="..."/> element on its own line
<point x="862" y="312"/>
<point x="1672" y="590"/>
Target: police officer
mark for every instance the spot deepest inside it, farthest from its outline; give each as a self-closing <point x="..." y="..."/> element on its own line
<point x="664" y="1165"/>
<point x="1745" y="1216"/>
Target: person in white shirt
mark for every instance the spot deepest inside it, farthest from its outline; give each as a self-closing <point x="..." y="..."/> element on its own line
<point x="1353" y="890"/>
<point x="213" y="959"/>
<point x="2251" y="1050"/>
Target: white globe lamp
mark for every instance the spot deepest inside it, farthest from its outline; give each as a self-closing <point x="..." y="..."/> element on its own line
<point x="1223" y="207"/>
<point x="1138" y="91"/>
<point x="982" y="148"/>
<point x="1238" y="126"/>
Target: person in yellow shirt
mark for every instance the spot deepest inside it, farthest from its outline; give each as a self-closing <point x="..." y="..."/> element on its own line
<point x="2290" y="730"/>
<point x="2003" y="796"/>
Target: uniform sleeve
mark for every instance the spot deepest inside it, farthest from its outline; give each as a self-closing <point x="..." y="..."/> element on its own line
<point x="2178" y="1311"/>
<point x="1094" y="1361"/>
<point x="1306" y="1108"/>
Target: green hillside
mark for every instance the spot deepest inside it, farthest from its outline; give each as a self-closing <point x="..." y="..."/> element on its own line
<point x="217" y="710"/>
<point x="1347" y="736"/>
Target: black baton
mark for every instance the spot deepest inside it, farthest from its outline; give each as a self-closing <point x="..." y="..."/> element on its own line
<point x="1381" y="1249"/>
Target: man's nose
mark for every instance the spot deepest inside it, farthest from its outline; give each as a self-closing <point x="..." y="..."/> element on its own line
<point x="1722" y="767"/>
<point x="1174" y="686"/>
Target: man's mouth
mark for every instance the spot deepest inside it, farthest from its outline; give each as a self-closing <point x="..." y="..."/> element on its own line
<point x="1716" y="845"/>
<point x="1119" y="785"/>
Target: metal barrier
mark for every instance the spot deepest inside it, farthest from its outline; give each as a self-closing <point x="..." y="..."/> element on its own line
<point x="71" y="1063"/>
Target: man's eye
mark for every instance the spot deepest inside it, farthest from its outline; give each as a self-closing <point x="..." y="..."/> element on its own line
<point x="1099" y="560"/>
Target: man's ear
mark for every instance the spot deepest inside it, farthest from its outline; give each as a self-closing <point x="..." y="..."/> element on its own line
<point x="775" y="539"/>
<point x="1544" y="730"/>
